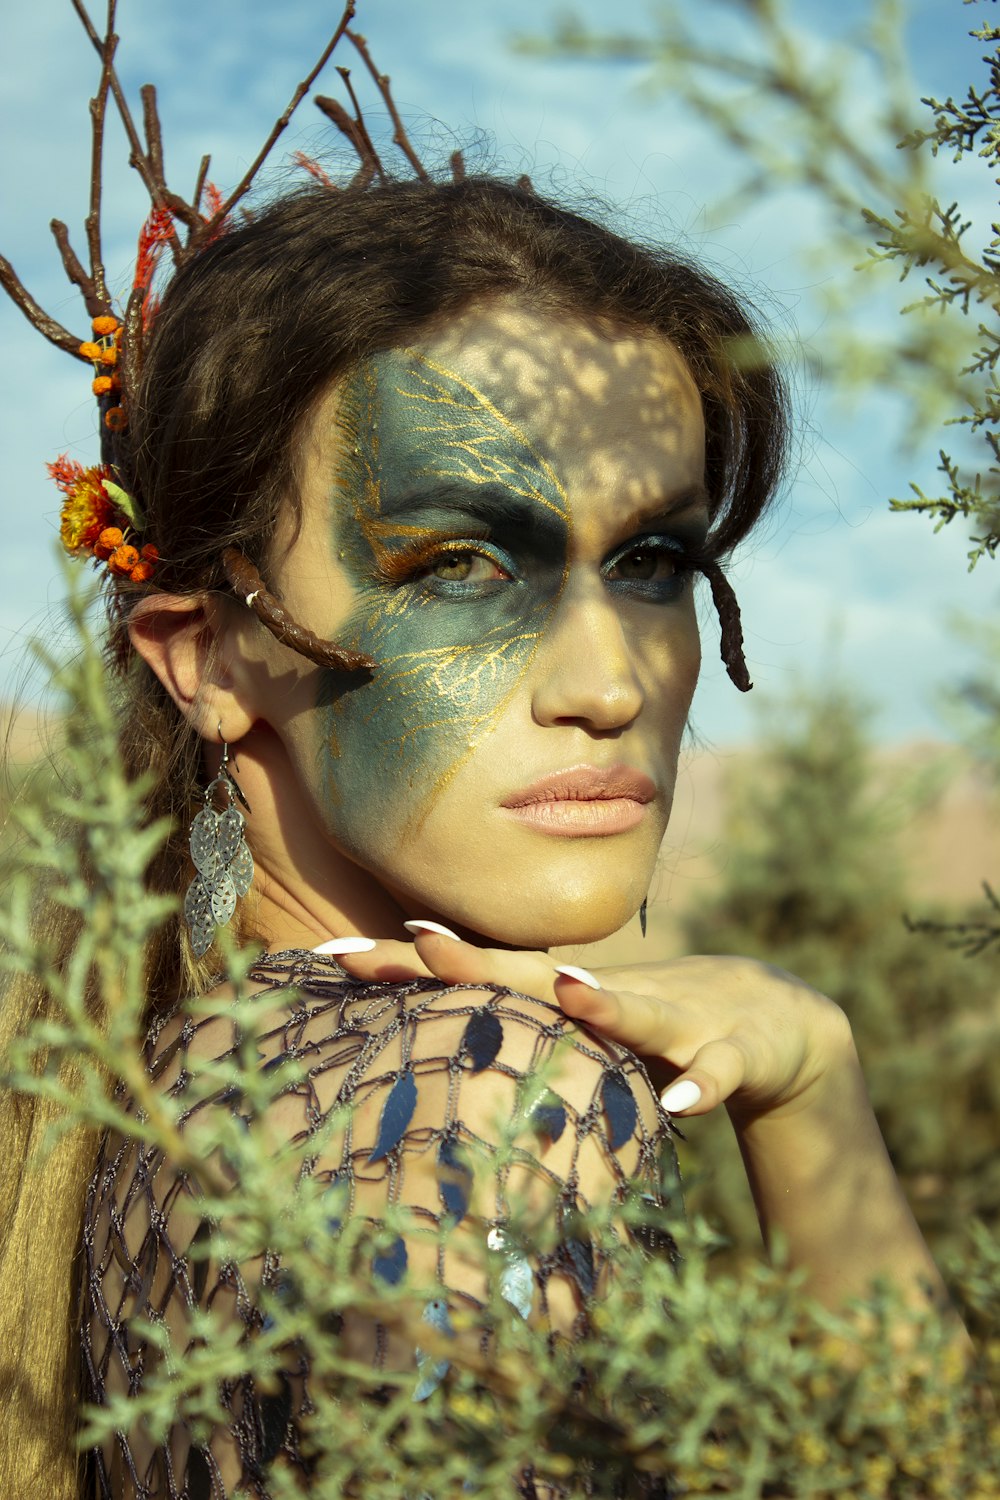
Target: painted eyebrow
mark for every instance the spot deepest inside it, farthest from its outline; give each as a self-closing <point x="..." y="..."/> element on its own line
<point x="493" y="507"/>
<point x="694" y="496"/>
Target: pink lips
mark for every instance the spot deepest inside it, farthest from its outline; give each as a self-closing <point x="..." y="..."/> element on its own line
<point x="584" y="801"/>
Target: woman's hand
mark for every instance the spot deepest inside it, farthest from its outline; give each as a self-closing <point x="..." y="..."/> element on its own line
<point x="775" y="1051"/>
<point x="736" y="1030"/>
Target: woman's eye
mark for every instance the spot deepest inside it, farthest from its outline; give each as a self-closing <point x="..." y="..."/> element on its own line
<point x="647" y="565"/>
<point x="464" y="567"/>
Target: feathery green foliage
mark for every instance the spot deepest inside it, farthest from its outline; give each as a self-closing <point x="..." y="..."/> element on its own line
<point x="736" y="1385"/>
<point x="838" y="117"/>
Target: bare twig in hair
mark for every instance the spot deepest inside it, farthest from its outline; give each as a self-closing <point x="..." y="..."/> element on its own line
<point x="48" y="327"/>
<point x="399" y="135"/>
<point x="151" y="126"/>
<point x="457" y="163"/>
<point x="732" y="630"/>
<point x="245" y="581"/>
<point x="137" y="158"/>
<point x="98" y="111"/>
<point x="359" y="123"/>
<point x="355" y="133"/>
<point x="199" y="186"/>
<point x="75" y="271"/>
<point x="243" y="186"/>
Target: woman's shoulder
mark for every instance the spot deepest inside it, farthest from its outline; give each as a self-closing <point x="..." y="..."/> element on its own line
<point x="416" y="1060"/>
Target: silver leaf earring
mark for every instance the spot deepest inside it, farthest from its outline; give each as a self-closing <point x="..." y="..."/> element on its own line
<point x="221" y="857"/>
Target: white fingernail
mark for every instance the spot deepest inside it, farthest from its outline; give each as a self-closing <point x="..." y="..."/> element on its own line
<point x="346" y="945"/>
<point x="573" y="972"/>
<point x="680" y="1096"/>
<point x="432" y="927"/>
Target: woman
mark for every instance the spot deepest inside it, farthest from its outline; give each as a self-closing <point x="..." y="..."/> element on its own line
<point x="478" y="448"/>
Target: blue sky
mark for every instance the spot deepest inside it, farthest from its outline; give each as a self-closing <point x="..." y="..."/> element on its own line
<point x="834" y="584"/>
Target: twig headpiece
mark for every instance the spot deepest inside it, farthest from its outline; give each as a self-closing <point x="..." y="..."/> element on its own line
<point x="99" y="517"/>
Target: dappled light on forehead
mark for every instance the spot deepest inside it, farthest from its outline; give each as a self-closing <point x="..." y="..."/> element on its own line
<point x="605" y="404"/>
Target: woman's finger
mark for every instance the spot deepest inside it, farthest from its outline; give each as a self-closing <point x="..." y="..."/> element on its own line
<point x="457" y="962"/>
<point x="438" y="953"/>
<point x="647" y="1024"/>
<point x="386" y="960"/>
<point x="715" y="1072"/>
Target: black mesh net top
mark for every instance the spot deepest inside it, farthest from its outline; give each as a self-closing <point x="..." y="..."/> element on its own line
<point x="424" y="1071"/>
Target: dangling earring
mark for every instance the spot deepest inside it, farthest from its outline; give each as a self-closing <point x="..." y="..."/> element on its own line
<point x="221" y="857"/>
<point x="642" y="915"/>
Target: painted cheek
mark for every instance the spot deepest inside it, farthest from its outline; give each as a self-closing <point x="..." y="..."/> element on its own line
<point x="446" y="671"/>
<point x="447" y="665"/>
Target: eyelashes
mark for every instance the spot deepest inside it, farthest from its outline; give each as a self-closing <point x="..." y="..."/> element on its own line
<point x="651" y="566"/>
<point x="414" y="563"/>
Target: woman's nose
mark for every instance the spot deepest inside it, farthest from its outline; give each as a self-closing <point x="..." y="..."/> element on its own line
<point x="585" y="672"/>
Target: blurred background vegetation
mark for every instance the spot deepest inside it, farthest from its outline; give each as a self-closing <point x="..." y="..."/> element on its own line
<point x="814" y="863"/>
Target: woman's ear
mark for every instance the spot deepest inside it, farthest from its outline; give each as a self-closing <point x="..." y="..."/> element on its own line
<point x="183" y="640"/>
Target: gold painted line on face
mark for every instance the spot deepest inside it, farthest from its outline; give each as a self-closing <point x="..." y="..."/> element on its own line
<point x="445" y="398"/>
<point x="366" y="506"/>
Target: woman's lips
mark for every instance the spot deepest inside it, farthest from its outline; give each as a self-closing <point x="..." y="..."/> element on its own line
<point x="584" y="801"/>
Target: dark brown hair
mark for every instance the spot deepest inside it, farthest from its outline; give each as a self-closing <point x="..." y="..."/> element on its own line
<point x="252" y="332"/>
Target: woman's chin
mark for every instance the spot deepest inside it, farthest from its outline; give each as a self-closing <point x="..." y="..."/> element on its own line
<point x="558" y="927"/>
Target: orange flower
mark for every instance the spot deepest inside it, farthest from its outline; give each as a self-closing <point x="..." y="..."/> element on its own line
<point x="123" y="559"/>
<point x="114" y="419"/>
<point x="142" y="572"/>
<point x="103" y="326"/>
<point x="102" y="385"/>
<point x="90" y="351"/>
<point x="67" y="473"/>
<point x="86" y="511"/>
<point x="109" y="356"/>
<point x="110" y="538"/>
<point x="150" y="553"/>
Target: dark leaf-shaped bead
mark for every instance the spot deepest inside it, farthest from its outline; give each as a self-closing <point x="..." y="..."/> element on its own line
<point x="482" y="1039"/>
<point x="283" y="1286"/>
<point x="620" y="1109"/>
<point x="454" y="1179"/>
<point x="198" y="1476"/>
<point x="390" y="1265"/>
<point x="668" y="1172"/>
<point x="653" y="1234"/>
<point x="397" y="1112"/>
<point x="548" y="1115"/>
<point x="274" y="1414"/>
<point x="335" y="1199"/>
<point x="578" y="1258"/>
<point x="198" y="1271"/>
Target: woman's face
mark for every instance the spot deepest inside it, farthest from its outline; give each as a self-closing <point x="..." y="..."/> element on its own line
<point x="500" y="516"/>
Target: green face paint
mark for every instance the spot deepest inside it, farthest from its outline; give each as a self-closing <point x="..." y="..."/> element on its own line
<point x="454" y="532"/>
